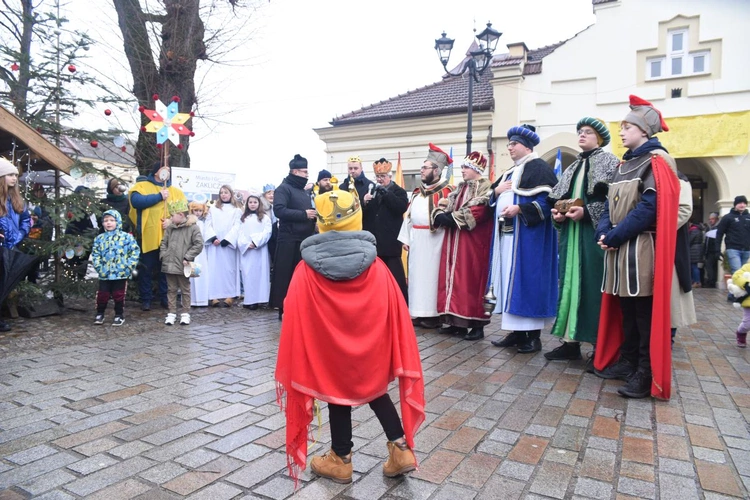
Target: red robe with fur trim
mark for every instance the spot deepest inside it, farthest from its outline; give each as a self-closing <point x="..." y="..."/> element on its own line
<point x="464" y="261"/>
<point x="343" y="342"/>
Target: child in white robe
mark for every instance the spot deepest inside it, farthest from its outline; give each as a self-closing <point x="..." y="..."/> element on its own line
<point x="223" y="259"/>
<point x="253" y="236"/>
<point x="199" y="285"/>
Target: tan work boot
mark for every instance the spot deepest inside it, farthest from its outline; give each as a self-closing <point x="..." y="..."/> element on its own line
<point x="334" y="467"/>
<point x="400" y="459"/>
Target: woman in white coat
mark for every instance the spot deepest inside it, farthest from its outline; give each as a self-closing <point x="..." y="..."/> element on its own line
<point x="253" y="236"/>
<point x="199" y="285"/>
<point x="222" y="224"/>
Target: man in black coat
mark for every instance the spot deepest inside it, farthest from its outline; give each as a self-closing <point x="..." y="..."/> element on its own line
<point x="294" y="210"/>
<point x="362" y="184"/>
<point x="383" y="216"/>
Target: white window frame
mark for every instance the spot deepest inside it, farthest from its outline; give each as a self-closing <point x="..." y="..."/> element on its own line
<point x="687" y="57"/>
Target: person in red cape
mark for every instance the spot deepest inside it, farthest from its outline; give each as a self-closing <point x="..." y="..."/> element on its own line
<point x="345" y="336"/>
<point x="638" y="232"/>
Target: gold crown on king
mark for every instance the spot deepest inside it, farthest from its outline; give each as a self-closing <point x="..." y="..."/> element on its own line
<point x="177" y="206"/>
<point x="340" y="204"/>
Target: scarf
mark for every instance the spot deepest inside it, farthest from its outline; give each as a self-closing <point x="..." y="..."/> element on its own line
<point x="644" y="148"/>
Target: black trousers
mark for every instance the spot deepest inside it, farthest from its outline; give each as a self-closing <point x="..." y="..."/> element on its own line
<point x="396" y="267"/>
<point x="710" y="269"/>
<point x="636" y="326"/>
<point x="340" y="419"/>
<point x="116" y="290"/>
<point x="287" y="257"/>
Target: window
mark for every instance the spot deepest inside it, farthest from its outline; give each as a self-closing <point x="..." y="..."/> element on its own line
<point x="678" y="61"/>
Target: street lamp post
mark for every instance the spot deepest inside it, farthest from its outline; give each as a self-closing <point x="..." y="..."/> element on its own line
<point x="478" y="62"/>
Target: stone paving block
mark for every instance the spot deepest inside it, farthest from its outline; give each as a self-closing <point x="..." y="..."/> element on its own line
<point x="234" y="424"/>
<point x="599" y="464"/>
<point x="125" y="393"/>
<point x="248" y="453"/>
<point x="541" y="430"/>
<point x="98" y="446"/>
<point x="46" y="482"/>
<point x="501" y="487"/>
<point x="451" y="492"/>
<point x="371" y="486"/>
<point x="718" y="478"/>
<point x="494" y="448"/>
<point x="569" y="438"/>
<point x="637" y="450"/>
<point x="528" y="450"/>
<point x="37" y="468"/>
<point x="515" y="420"/>
<point x="153" y="413"/>
<point x="635" y="470"/>
<point x="677" y="488"/>
<point x="130" y="450"/>
<point x="672" y="447"/>
<point x="162" y="473"/>
<point x="590" y="488"/>
<point x="196" y="458"/>
<point x="237" y="439"/>
<point x="438" y="466"/>
<point x="92" y="464"/>
<point x="636" y="488"/>
<point x="550" y="417"/>
<point x="505" y="436"/>
<point x="708" y="455"/>
<point x="222" y="491"/>
<point x="174" y="432"/>
<point x="109" y="476"/>
<point x="451" y="420"/>
<point x="194" y="480"/>
<point x="741" y="461"/>
<point x="475" y="470"/>
<point x="429" y="438"/>
<point x="413" y="489"/>
<point x="704" y="437"/>
<point x="178" y="447"/>
<point x="258" y="470"/>
<point x="516" y="470"/>
<point x="676" y="467"/>
<point x="125" y="490"/>
<point x="53" y="495"/>
<point x="464" y="440"/>
<point x="27" y="456"/>
<point x="552" y="479"/>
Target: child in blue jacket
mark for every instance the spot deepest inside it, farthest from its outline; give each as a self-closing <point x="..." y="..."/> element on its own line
<point x="114" y="256"/>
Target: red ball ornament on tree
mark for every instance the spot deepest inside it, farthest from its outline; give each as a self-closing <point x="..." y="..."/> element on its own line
<point x="15" y="67"/>
<point x="192" y="113"/>
<point x="69" y="215"/>
<point x="175" y="98"/>
<point x="94" y="144"/>
<point x="155" y="97"/>
<point x="141" y="108"/>
<point x="107" y="112"/>
<point x="192" y="134"/>
<point x="143" y="129"/>
<point x="180" y="146"/>
<point x="123" y="149"/>
<point x="71" y="68"/>
<point x="159" y="146"/>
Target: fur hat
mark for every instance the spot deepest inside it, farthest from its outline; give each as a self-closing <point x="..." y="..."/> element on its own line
<point x="525" y="134"/>
<point x="475" y="161"/>
<point x="645" y="116"/>
<point x="439" y="157"/>
<point x="601" y="130"/>
<point x="7" y="168"/>
<point x="382" y="166"/>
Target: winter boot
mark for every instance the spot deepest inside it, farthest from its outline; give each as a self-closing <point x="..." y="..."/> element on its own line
<point x="334" y="467"/>
<point x="621" y="370"/>
<point x="530" y="342"/>
<point x="400" y="459"/>
<point x="742" y="339"/>
<point x="565" y="351"/>
<point x="475" y="334"/>
<point x="638" y="386"/>
<point x="510" y="340"/>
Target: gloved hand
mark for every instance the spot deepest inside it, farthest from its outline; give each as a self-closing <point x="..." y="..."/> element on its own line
<point x="445" y="220"/>
<point x="224" y="243"/>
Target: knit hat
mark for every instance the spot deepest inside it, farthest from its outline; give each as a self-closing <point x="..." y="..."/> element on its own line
<point x="740" y="199"/>
<point x="438" y="157"/>
<point x="7" y="168"/>
<point x="601" y="130"/>
<point x="298" y="163"/>
<point x="525" y="134"/>
<point x="382" y="166"/>
<point x="324" y="174"/>
<point x="645" y="116"/>
<point x="475" y="161"/>
<point x="338" y="210"/>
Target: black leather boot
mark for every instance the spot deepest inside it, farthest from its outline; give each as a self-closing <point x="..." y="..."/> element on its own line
<point x="475" y="334"/>
<point x="565" y="351"/>
<point x="530" y="342"/>
<point x="510" y="340"/>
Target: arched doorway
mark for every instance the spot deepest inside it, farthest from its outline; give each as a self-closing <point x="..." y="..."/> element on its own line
<point x="708" y="182"/>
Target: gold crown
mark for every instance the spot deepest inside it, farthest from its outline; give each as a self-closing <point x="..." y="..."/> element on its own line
<point x="177" y="206"/>
<point x="339" y="210"/>
<point x="354" y="159"/>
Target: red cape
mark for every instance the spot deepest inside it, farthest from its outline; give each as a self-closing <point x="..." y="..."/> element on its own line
<point x="610" y="335"/>
<point x="343" y="342"/>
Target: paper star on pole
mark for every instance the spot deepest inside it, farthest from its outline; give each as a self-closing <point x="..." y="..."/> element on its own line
<point x="166" y="122"/>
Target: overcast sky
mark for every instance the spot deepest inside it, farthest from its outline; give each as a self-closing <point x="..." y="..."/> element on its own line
<point x="309" y="61"/>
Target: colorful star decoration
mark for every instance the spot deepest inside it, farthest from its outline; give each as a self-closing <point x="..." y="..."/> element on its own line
<point x="166" y="122"/>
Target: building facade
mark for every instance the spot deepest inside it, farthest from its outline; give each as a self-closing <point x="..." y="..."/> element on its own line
<point x="689" y="58"/>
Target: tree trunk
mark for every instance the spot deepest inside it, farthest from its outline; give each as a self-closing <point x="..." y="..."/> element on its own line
<point x="19" y="92"/>
<point x="181" y="47"/>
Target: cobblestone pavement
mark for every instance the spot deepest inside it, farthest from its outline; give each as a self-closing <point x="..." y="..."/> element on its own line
<point x="154" y="412"/>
